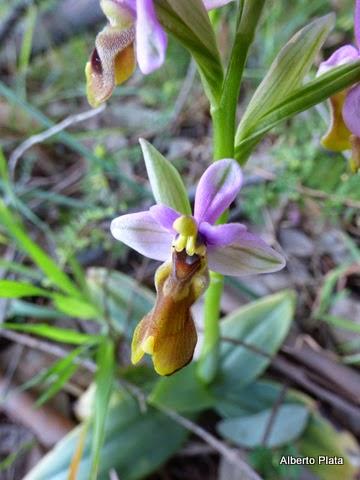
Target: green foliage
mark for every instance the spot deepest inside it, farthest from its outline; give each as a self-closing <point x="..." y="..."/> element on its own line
<point x="55" y="333"/>
<point x="287" y="422"/>
<point x="263" y="325"/>
<point x="104" y="384"/>
<point x="56" y="376"/>
<point x="121" y="297"/>
<point x="286" y="74"/>
<point x="300" y="99"/>
<point x="136" y="443"/>
<point x="183" y="392"/>
<point x="320" y="438"/>
<point x="39" y="257"/>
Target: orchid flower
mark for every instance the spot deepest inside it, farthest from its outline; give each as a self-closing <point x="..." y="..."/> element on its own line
<point x="113" y="61"/>
<point x="190" y="245"/>
<point x="344" y="130"/>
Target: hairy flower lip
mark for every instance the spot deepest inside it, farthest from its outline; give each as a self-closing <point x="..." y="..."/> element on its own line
<point x="168" y="332"/>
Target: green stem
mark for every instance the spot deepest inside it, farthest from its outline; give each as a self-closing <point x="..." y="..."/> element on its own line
<point x="209" y="359"/>
<point x="224" y="125"/>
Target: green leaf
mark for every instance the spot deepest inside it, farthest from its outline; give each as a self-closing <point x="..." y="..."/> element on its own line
<point x="236" y="401"/>
<point x="321" y="438"/>
<point x="124" y="300"/>
<point x="136" y="444"/>
<point x="286" y="73"/>
<point x="28" y="246"/>
<point x="57" y="385"/>
<point x="27" y="309"/>
<point x="263" y="325"/>
<point x="288" y="422"/>
<point x="14" y="289"/>
<point x="104" y="383"/>
<point x="341" y="322"/>
<point x="166" y="183"/>
<point x="189" y="22"/>
<point x="303" y="98"/>
<point x="75" y="307"/>
<point x="54" y="333"/>
<point x="326" y="295"/>
<point x="183" y="392"/>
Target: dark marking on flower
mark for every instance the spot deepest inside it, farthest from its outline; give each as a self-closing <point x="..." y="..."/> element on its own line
<point x="96" y="62"/>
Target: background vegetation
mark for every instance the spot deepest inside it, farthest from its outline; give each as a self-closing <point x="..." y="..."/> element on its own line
<point x="71" y="295"/>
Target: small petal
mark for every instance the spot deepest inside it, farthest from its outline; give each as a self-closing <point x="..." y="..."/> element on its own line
<point x="220" y="235"/>
<point x="151" y="40"/>
<point x="142" y="233"/>
<point x="217" y="189"/>
<point x="341" y="56"/>
<point x="337" y="138"/>
<point x="247" y="255"/>
<point x="351" y="110"/>
<point x="165" y="216"/>
<point x="210" y="4"/>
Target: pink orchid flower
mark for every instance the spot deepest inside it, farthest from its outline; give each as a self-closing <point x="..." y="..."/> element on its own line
<point x="133" y="33"/>
<point x="190" y="245"/>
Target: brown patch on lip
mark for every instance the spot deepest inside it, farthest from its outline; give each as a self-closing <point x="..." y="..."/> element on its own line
<point x="96" y="62"/>
<point x="185" y="265"/>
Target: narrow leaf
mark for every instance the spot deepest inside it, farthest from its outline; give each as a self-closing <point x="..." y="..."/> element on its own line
<point x="57" y="385"/>
<point x="104" y="382"/>
<point x="166" y="183"/>
<point x="52" y="374"/>
<point x="75" y="307"/>
<point x="37" y="254"/>
<point x="286" y="73"/>
<point x="14" y="289"/>
<point x="314" y="92"/>
<point x="54" y="333"/>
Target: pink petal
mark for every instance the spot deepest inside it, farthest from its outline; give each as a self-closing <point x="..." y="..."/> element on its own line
<point x="151" y="40"/>
<point x="164" y="216"/>
<point x="142" y="233"/>
<point x="341" y="56"/>
<point x="247" y="255"/>
<point x="220" y="235"/>
<point x="351" y="110"/>
<point x="217" y="189"/>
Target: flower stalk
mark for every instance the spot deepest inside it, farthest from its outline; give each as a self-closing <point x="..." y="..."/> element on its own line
<point x="224" y="129"/>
